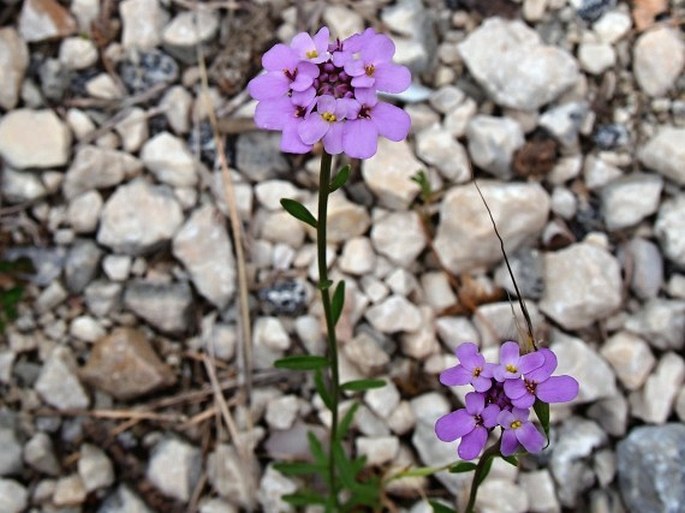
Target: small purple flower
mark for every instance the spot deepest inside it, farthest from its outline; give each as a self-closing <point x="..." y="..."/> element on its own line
<point x="285" y="72"/>
<point x="471" y="424"/>
<point x="312" y="49"/>
<point x="512" y="365"/>
<point x="518" y="430"/>
<point x="540" y="383"/>
<point x="373" y="66"/>
<point x="286" y="114"/>
<point x="371" y="119"/>
<point x="471" y="369"/>
<point x="327" y="123"/>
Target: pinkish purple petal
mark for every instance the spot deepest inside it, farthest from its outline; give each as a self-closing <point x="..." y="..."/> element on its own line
<point x="509" y="354"/>
<point x="558" y="389"/>
<point x="509" y="443"/>
<point x="366" y="96"/>
<point x="505" y="418"/>
<point x="392" y="122"/>
<point x="489" y="415"/>
<point x="360" y="138"/>
<point x="377" y="50"/>
<point x="515" y="388"/>
<point x="455" y="376"/>
<point x="312" y="129"/>
<point x="475" y="403"/>
<point x="392" y="78"/>
<point x="454" y="425"/>
<point x="481" y="383"/>
<point x="302" y="43"/>
<point x="303" y="98"/>
<point x="291" y="142"/>
<point x="521" y="414"/>
<point x="472" y="444"/>
<point x="363" y="81"/>
<point x="546" y="369"/>
<point x="274" y="114"/>
<point x="354" y="67"/>
<point x="321" y="40"/>
<point x="332" y="141"/>
<point x="326" y="103"/>
<point x="269" y="85"/>
<point x="531" y="361"/>
<point x="530" y="438"/>
<point x="280" y="57"/>
<point x="525" y="401"/>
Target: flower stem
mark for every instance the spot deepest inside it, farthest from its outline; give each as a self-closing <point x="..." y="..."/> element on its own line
<point x="479" y="474"/>
<point x="324" y="286"/>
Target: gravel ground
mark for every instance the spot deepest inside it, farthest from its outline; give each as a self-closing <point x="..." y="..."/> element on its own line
<point x="122" y="384"/>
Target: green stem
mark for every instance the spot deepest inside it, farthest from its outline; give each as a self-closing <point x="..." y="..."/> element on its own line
<point x="478" y="474"/>
<point x="324" y="286"/>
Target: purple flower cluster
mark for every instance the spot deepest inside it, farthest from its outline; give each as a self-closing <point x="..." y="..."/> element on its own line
<point x="503" y="396"/>
<point x="314" y="91"/>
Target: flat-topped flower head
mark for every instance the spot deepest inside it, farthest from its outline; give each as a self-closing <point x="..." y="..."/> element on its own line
<point x="512" y="365"/>
<point x="344" y="112"/>
<point x="471" y="424"/>
<point x="472" y="369"/>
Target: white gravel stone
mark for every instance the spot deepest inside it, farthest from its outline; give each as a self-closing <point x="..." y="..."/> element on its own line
<point x="98" y="168"/>
<point x="540" y="489"/>
<point x="465" y="238"/>
<point x="40" y="20"/>
<point x="612" y="414"/>
<point x="345" y="219"/>
<point x="597" y="172"/>
<point x="446" y="99"/>
<point x="388" y="174"/>
<point x="14" y="59"/>
<point x="399" y="236"/>
<point x="564" y="202"/>
<point x="190" y="28"/>
<point x="39" y="453"/>
<point x="342" y="21"/>
<point x="665" y="154"/>
<point x="437" y="290"/>
<point x="645" y="262"/>
<point x="596" y="58"/>
<point x="58" y="383"/>
<point x="176" y="104"/>
<point x="123" y="500"/>
<point x="133" y="129"/>
<point x="221" y="506"/>
<point x="269" y="332"/>
<point x="612" y="26"/>
<point x="10" y="458"/>
<point x="582" y="285"/>
<point x="117" y="267"/>
<point x="439" y="148"/>
<point x="394" y="314"/>
<point x="83" y="212"/>
<point x="383" y="400"/>
<point x="281" y="412"/>
<point x="270" y="192"/>
<point x="279" y="227"/>
<point x="169" y="160"/>
<point x="457" y="120"/>
<point x="630" y="357"/>
<point x="654" y="403"/>
<point x="509" y="61"/>
<point x="138" y="217"/>
<point x="143" y="23"/>
<point x="13" y="496"/>
<point x="577" y="359"/>
<point x="95" y="468"/>
<point x="69" y="491"/>
<point x="496" y="323"/>
<point x="34" y="138"/>
<point x="77" y="53"/>
<point x="453" y="331"/>
<point x="499" y="496"/>
<point x="680" y="404"/>
<point x="492" y="142"/>
<point x="202" y="244"/>
<point x="378" y="450"/>
<point x="658" y="59"/>
<point x="661" y="322"/>
<point x="565" y="121"/>
<point x="272" y="487"/>
<point x="366" y="353"/>
<point x="227" y="475"/>
<point x="629" y="199"/>
<point x="357" y="256"/>
<point x="80" y="123"/>
<point x="103" y="86"/>
<point x="402" y="419"/>
<point x="20" y="186"/>
<point x="669" y="229"/>
<point x="421" y="343"/>
<point x="86" y="328"/>
<point x="174" y="468"/>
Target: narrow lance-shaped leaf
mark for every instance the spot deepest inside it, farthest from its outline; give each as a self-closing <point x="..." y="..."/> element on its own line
<point x="338" y="301"/>
<point x="485" y="470"/>
<point x="542" y="411"/>
<point x="299" y="211"/>
<point x="462" y="466"/>
<point x="316" y="450"/>
<point x="304" y="498"/>
<point x="302" y="362"/>
<point x="322" y="389"/>
<point x="440" y="508"/>
<point x="297" y="468"/>
<point x="339" y="179"/>
<point x="512" y="460"/>
<point x="360" y="385"/>
<point x="346" y="421"/>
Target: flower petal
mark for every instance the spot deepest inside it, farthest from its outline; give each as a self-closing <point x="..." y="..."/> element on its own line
<point x="509" y="353"/>
<point x="377" y="49"/>
<point x="392" y="122"/>
<point x="291" y="142"/>
<point x="530" y="438"/>
<point x="312" y="129"/>
<point x="481" y="383"/>
<point x="531" y="361"/>
<point x="489" y="415"/>
<point x="332" y="141"/>
<point x="475" y="403"/>
<point x="558" y="389"/>
<point x="274" y="114"/>
<point x="515" y="388"/>
<point x="509" y="442"/>
<point x="392" y="78"/>
<point x="455" y="376"/>
<point x="454" y="425"/>
<point x="360" y="138"/>
<point x="472" y="444"/>
<point x="525" y="401"/>
<point x="269" y="85"/>
<point x="280" y="57"/>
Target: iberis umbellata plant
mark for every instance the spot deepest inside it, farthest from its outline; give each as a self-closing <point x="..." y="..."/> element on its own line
<point x="317" y="91"/>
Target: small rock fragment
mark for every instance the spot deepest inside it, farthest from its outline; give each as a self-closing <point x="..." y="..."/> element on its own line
<point x="14" y="59"/>
<point x="630" y="357"/>
<point x="174" y="468"/>
<point x="388" y="174"/>
<point x="40" y="20"/>
<point x="658" y="59"/>
<point x="58" y="383"/>
<point x="34" y="138"/>
<point x="664" y="153"/>
<point x="492" y="142"/>
<point x="13" y="496"/>
<point x="399" y="236"/>
<point x="143" y="23"/>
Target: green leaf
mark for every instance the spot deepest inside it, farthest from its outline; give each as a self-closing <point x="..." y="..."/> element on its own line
<point x="512" y="460"/>
<point x="485" y="471"/>
<point x="324" y="285"/>
<point x="322" y="389"/>
<point x="299" y="211"/>
<point x="304" y="498"/>
<point x="462" y="466"/>
<point x="346" y="421"/>
<point x="418" y="472"/>
<point x="359" y="385"/>
<point x="316" y="450"/>
<point x="339" y="179"/>
<point x="542" y="411"/>
<point x="338" y="301"/>
<point x="303" y="362"/>
<point x="298" y="468"/>
<point x="440" y="508"/>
